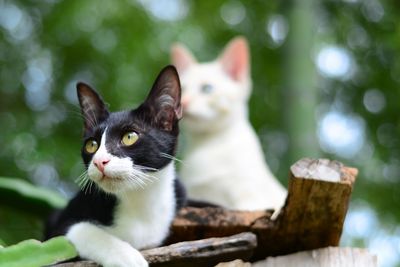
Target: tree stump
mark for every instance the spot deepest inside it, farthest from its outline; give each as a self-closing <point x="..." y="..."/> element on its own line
<point x="318" y="197"/>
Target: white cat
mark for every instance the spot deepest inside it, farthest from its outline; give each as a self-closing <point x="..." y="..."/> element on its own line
<point x="223" y="160"/>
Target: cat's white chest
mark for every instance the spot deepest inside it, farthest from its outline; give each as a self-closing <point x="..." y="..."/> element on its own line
<point x="230" y="170"/>
<point x="142" y="218"/>
<point x="224" y="153"/>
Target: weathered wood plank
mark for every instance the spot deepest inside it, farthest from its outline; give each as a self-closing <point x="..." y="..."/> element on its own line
<point x="325" y="257"/>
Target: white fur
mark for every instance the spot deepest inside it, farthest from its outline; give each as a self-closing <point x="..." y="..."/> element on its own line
<point x="94" y="243"/>
<point x="223" y="160"/>
<point x="143" y="217"/>
<point x="141" y="220"/>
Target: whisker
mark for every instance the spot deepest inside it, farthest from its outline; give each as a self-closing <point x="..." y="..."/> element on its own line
<point x="136" y="182"/>
<point x="81" y="180"/>
<point x="140" y="183"/>
<point x="84" y="182"/>
<point x="139" y="178"/>
<point x="149" y="177"/>
<point x="139" y="167"/>
<point x="168" y="156"/>
<point x="90" y="186"/>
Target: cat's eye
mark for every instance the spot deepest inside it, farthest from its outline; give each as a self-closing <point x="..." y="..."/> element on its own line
<point x="91" y="146"/>
<point x="207" y="88"/>
<point x="129" y="138"/>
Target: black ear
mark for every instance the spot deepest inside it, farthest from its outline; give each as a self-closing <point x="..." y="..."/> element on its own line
<point x="164" y="99"/>
<point x="93" y="108"/>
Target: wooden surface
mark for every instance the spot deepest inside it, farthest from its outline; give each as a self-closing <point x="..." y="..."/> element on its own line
<point x="313" y="215"/>
<point x="200" y="253"/>
<point x="318" y="197"/>
<point x="325" y="257"/>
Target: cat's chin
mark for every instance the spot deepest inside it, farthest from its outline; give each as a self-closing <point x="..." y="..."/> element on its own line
<point x="203" y="125"/>
<point x="199" y="116"/>
<point x="115" y="185"/>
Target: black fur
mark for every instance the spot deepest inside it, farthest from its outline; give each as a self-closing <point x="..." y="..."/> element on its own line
<point x="156" y="123"/>
<point x="96" y="207"/>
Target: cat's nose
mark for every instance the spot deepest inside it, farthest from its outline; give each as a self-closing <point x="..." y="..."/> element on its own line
<point x="100" y="163"/>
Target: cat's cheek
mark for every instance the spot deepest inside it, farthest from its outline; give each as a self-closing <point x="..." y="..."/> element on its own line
<point x="94" y="174"/>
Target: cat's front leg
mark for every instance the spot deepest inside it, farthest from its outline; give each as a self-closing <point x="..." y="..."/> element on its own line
<point x="96" y="244"/>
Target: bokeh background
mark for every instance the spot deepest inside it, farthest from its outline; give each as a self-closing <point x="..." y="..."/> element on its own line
<point x="326" y="78"/>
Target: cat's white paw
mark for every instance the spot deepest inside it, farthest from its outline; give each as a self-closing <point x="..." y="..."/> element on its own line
<point x="126" y="257"/>
<point x="95" y="244"/>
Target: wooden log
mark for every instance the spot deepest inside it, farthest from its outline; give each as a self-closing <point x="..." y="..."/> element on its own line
<point x="313" y="216"/>
<point x="325" y="257"/>
<point x="315" y="210"/>
<point x="206" y="252"/>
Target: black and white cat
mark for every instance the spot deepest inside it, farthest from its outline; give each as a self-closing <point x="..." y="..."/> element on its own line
<point x="131" y="193"/>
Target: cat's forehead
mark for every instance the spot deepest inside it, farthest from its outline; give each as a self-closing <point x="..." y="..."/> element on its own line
<point x="120" y="117"/>
<point x="123" y="119"/>
<point x="206" y="73"/>
<point x="118" y="121"/>
<point x="201" y="70"/>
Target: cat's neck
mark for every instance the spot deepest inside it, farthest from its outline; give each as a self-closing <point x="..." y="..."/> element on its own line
<point x="143" y="216"/>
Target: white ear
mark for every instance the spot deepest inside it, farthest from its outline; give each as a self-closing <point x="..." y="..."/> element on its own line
<point x="235" y="59"/>
<point x="181" y="57"/>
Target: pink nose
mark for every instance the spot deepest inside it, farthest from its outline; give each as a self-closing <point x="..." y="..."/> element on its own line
<point x="100" y="163"/>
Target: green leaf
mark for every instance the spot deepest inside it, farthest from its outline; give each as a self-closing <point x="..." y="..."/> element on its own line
<point x="19" y="193"/>
<point x="33" y="253"/>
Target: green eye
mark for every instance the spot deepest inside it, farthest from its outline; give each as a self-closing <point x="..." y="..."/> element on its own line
<point x="91" y="146"/>
<point x="129" y="138"/>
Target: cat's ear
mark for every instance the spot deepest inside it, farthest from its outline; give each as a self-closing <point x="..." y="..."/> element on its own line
<point x="164" y="99"/>
<point x="93" y="108"/>
<point x="235" y="59"/>
<point x="181" y="57"/>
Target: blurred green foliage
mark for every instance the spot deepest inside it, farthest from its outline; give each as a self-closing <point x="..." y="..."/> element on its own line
<point x="32" y="253"/>
<point x="23" y="207"/>
<point x="34" y="199"/>
<point x="120" y="46"/>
